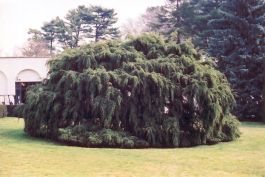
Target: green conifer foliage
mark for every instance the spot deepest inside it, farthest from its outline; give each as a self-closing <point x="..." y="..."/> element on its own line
<point x="144" y="92"/>
<point x="238" y="42"/>
<point x="262" y="112"/>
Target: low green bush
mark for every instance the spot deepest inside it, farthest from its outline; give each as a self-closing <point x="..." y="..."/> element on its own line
<point x="12" y="110"/>
<point x="80" y="135"/>
<point x="18" y="111"/>
<point x="3" y="111"/>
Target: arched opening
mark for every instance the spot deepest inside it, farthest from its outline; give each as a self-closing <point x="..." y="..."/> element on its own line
<point x="3" y="87"/>
<point x="24" y="79"/>
<point x="3" y="83"/>
<point x="28" y="75"/>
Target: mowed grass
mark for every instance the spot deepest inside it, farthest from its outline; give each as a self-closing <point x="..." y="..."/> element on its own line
<point x="23" y="156"/>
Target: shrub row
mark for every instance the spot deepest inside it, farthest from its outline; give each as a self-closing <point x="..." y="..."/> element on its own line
<point x="3" y="111"/>
<point x="11" y="111"/>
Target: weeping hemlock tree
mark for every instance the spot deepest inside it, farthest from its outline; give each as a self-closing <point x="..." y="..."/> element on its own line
<point x="238" y="40"/>
<point x="144" y="92"/>
<point x="262" y="112"/>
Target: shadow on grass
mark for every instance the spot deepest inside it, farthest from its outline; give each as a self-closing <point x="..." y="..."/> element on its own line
<point x="19" y="136"/>
<point x="253" y="124"/>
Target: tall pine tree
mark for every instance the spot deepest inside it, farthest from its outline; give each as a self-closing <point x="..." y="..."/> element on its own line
<point x="50" y="30"/>
<point x="102" y="24"/>
<point x="80" y="25"/>
<point x="238" y="42"/>
<point x="74" y="29"/>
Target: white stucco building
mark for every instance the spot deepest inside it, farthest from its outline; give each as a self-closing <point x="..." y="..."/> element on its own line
<point x="16" y="73"/>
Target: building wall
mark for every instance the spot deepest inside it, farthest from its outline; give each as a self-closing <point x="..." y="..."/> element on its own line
<point x="18" y="69"/>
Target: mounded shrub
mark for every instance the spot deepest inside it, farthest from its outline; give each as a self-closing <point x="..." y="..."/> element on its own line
<point x="14" y="110"/>
<point x="18" y="111"/>
<point x="3" y="111"/>
<point x="144" y="92"/>
<point x="10" y="110"/>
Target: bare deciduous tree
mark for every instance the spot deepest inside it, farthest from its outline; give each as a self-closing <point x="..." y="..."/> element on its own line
<point x="35" y="49"/>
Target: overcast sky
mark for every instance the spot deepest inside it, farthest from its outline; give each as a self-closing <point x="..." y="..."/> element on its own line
<point x="17" y="16"/>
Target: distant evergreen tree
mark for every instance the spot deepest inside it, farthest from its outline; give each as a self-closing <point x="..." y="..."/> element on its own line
<point x="49" y="31"/>
<point x="187" y="19"/>
<point x="163" y="22"/>
<point x="152" y="20"/>
<point x="102" y="23"/>
<point x="86" y="23"/>
<point x="238" y="41"/>
<point x="82" y="24"/>
<point x="196" y="15"/>
<point x="74" y="28"/>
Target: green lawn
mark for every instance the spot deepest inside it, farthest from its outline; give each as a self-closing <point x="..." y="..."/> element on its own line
<point x="22" y="156"/>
